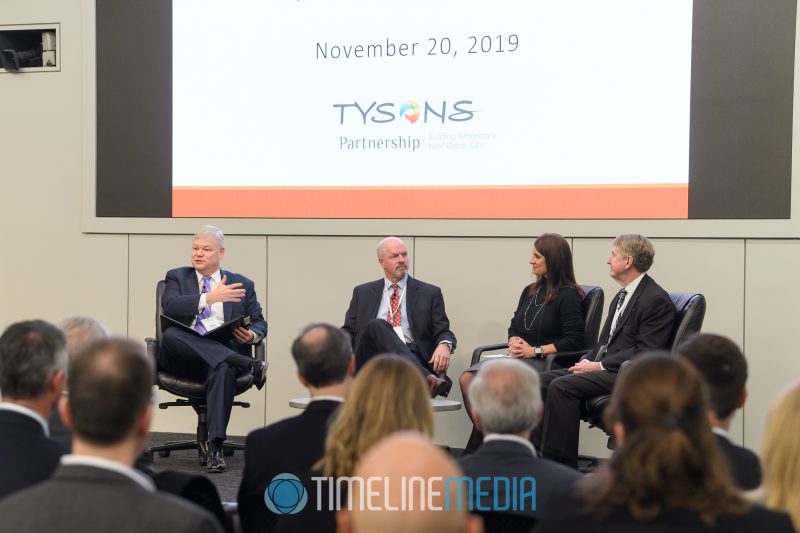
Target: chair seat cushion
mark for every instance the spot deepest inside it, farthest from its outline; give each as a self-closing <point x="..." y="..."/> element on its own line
<point x="195" y="389"/>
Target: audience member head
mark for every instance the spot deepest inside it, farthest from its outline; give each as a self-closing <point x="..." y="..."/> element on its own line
<point x="631" y="255"/>
<point x="109" y="404"/>
<point x="667" y="456"/>
<point x="208" y="249"/>
<point x="33" y="359"/>
<point x="398" y="458"/>
<point x="781" y="454"/>
<point x="80" y="331"/>
<point x="393" y="258"/>
<point x="551" y="260"/>
<point x="505" y="397"/>
<point x="323" y="356"/>
<point x="724" y="369"/>
<point x="387" y="395"/>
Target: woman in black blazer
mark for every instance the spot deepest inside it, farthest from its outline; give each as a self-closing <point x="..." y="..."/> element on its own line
<point x="548" y="318"/>
<point x="667" y="473"/>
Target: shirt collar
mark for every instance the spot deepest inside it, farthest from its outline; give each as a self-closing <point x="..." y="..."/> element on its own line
<point x="510" y="438"/>
<point x="114" y="466"/>
<point x="216" y="276"/>
<point x="401" y="284"/>
<point x="721" y="432"/>
<point x="27" y="411"/>
<point x="327" y="397"/>
<point x="631" y="287"/>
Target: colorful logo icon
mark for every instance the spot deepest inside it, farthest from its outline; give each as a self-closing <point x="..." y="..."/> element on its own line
<point x="285" y="494"/>
<point x="410" y="111"/>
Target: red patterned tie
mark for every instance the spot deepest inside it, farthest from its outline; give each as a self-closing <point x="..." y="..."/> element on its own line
<point x="394" y="304"/>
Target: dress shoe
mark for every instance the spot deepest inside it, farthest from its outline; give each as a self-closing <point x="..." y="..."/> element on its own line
<point x="437" y="386"/>
<point x="216" y="463"/>
<point x="259" y="370"/>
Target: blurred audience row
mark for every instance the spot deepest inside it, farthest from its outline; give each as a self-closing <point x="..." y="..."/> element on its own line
<point x="77" y="406"/>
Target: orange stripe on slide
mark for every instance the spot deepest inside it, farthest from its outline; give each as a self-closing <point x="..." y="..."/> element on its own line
<point x="596" y="201"/>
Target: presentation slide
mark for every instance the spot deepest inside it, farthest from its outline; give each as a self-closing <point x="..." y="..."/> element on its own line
<point x="451" y="109"/>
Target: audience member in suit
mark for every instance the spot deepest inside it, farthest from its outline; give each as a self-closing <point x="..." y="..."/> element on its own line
<point x="549" y="316"/>
<point x="401" y="315"/>
<point x="507" y="405"/>
<point x="640" y="318"/>
<point x="387" y="395"/>
<point x="668" y="473"/>
<point x="325" y="366"/>
<point x="724" y="369"/>
<point x="781" y="454"/>
<point x="80" y="331"/>
<point x="202" y="297"/>
<point x="396" y="459"/>
<point x="96" y="489"/>
<point x="33" y="359"/>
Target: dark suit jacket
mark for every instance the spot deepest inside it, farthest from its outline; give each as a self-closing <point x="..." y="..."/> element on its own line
<point x="27" y="455"/>
<point x="744" y="465"/>
<point x="646" y="324"/>
<point x="424" y="306"/>
<point x="512" y="459"/>
<point x="292" y="445"/>
<point x="83" y="498"/>
<point x="565" y="515"/>
<point x="182" y="296"/>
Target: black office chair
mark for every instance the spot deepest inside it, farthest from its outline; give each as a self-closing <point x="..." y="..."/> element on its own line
<point x="500" y="522"/>
<point x="192" y="393"/>
<point x="690" y="309"/>
<point x="592" y="305"/>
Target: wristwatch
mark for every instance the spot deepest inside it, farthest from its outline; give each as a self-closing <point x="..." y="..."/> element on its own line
<point x="538" y="352"/>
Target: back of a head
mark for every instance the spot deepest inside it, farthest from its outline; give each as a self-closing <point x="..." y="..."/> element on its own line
<point x="80" y="331"/>
<point x="505" y="397"/>
<point x="110" y="386"/>
<point x="723" y="367"/>
<point x="388" y="395"/>
<point x="668" y="456"/>
<point x="30" y="353"/>
<point x="322" y="354"/>
<point x="781" y="454"/>
<point x="396" y="460"/>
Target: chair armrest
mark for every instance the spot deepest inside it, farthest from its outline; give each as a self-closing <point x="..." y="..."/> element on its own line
<point x="476" y="354"/>
<point x="152" y="348"/>
<point x="563" y="359"/>
<point x="260" y="350"/>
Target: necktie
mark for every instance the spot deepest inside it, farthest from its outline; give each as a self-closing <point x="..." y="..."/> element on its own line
<point x="620" y="299"/>
<point x="206" y="312"/>
<point x="394" y="305"/>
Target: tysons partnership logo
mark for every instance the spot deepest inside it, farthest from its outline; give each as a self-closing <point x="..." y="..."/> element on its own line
<point x="285" y="494"/>
<point x="439" y="112"/>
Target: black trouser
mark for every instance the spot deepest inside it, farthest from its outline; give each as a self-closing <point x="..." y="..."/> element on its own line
<point x="379" y="338"/>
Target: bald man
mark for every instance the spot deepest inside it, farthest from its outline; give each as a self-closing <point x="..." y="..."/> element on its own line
<point x="402" y="315"/>
<point x="397" y="458"/>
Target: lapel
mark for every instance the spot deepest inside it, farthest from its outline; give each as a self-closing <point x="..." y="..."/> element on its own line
<point x="226" y="306"/>
<point x="631" y="305"/>
<point x="412" y="288"/>
<point x="374" y="303"/>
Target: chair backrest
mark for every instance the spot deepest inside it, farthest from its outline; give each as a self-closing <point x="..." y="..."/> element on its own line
<point x="592" y="303"/>
<point x="499" y="522"/>
<point x="159" y="310"/>
<point x="690" y="309"/>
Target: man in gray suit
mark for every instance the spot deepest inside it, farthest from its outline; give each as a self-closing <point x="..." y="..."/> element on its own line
<point x="95" y="489"/>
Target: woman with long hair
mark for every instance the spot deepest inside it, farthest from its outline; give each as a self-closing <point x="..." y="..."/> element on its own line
<point x="548" y="318"/>
<point x="780" y="453"/>
<point x="667" y="473"/>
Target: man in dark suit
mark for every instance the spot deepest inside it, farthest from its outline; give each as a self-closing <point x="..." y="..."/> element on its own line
<point x="507" y="404"/>
<point x="724" y="369"/>
<point x="109" y="410"/>
<point x="203" y="297"/>
<point x="399" y="314"/>
<point x="640" y="318"/>
<point x="33" y="359"/>
<point x="325" y="365"/>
